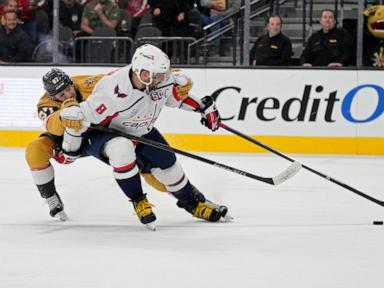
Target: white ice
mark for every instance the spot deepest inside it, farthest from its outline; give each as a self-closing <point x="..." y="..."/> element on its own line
<point x="306" y="232"/>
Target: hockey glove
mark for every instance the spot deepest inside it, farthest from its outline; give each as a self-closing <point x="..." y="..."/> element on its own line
<point x="210" y="115"/>
<point x="71" y="115"/>
<point x="65" y="157"/>
<point x="183" y="84"/>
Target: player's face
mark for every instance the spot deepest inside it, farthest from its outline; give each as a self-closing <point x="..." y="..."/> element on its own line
<point x="68" y="93"/>
<point x="157" y="78"/>
<point x="274" y="26"/>
<point x="327" y="21"/>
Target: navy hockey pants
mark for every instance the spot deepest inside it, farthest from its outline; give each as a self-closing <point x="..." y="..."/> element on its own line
<point x="147" y="157"/>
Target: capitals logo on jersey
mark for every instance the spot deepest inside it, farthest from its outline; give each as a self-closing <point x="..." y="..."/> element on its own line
<point x="117" y="92"/>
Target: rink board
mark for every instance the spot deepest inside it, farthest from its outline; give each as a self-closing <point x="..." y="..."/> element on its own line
<point x="293" y="110"/>
<point x="228" y="143"/>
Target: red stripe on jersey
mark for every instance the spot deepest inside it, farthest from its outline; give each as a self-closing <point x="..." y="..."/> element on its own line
<point x="125" y="168"/>
<point x="174" y="92"/>
<point x="113" y="71"/>
<point x="192" y="103"/>
<point x="108" y="119"/>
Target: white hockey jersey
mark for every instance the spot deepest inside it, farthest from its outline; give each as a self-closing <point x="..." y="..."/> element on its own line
<point x="131" y="110"/>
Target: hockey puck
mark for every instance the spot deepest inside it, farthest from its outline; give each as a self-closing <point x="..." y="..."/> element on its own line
<point x="378" y="222"/>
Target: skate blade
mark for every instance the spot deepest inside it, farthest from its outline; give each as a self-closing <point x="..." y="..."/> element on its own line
<point x="224" y="214"/>
<point x="151" y="226"/>
<point x="62" y="216"/>
<point x="228" y="218"/>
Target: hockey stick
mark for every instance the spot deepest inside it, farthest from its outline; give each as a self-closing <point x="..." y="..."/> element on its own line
<point x="329" y="178"/>
<point x="282" y="177"/>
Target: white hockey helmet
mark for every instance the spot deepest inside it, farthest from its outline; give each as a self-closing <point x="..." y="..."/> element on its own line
<point x="150" y="58"/>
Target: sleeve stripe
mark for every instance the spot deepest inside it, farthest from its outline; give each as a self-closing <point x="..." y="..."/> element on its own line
<point x="192" y="103"/>
<point x="174" y="92"/>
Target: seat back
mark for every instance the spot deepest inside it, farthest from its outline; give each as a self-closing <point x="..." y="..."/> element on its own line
<point x="147" y="32"/>
<point x="100" y="50"/>
<point x="65" y="34"/>
<point x="125" y="25"/>
<point x="146" y="20"/>
<point x="43" y="53"/>
<point x="104" y="31"/>
<point x="195" y="23"/>
<point x="66" y="39"/>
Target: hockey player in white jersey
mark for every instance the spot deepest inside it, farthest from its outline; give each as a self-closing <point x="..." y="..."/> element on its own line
<point x="130" y="100"/>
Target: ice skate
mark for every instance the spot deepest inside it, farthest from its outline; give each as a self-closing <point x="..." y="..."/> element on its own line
<point x="56" y="207"/>
<point x="144" y="211"/>
<point x="222" y="209"/>
<point x="202" y="208"/>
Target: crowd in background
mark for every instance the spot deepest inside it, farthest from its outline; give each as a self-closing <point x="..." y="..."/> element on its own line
<point x="330" y="46"/>
<point x="26" y="23"/>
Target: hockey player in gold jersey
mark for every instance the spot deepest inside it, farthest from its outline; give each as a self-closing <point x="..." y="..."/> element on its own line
<point x="57" y="142"/>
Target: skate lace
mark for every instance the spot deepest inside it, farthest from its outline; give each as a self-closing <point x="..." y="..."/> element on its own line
<point x="143" y="208"/>
<point x="53" y="202"/>
<point x="203" y="211"/>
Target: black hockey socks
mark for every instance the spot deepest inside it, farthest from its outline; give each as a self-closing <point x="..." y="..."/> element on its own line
<point x="48" y="189"/>
<point x="131" y="186"/>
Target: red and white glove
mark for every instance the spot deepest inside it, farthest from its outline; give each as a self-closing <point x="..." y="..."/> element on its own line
<point x="65" y="157"/>
<point x="210" y="115"/>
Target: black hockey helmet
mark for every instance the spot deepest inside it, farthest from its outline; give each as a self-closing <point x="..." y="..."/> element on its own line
<point x="56" y="81"/>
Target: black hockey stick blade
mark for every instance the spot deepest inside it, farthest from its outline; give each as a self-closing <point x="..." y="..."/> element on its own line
<point x="282" y="177"/>
<point x="329" y="178"/>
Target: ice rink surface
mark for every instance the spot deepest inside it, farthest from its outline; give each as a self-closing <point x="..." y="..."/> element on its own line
<point x="306" y="232"/>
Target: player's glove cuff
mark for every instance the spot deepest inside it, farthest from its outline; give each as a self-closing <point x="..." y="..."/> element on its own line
<point x="210" y="114"/>
<point x="65" y="157"/>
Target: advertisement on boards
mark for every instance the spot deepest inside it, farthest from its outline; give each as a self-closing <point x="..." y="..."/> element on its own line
<point x="324" y="103"/>
<point x="296" y="102"/>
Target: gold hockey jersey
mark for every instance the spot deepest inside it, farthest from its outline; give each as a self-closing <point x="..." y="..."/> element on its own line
<point x="49" y="110"/>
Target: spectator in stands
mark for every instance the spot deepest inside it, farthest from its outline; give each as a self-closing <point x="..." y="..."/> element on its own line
<point x="136" y="9"/>
<point x="41" y="18"/>
<point x="170" y="16"/>
<point x="330" y="46"/>
<point x="273" y="48"/>
<point x="31" y="22"/>
<point x="26" y="14"/>
<point x="100" y="13"/>
<point x="15" y="45"/>
<point x="214" y="10"/>
<point x="8" y="5"/>
<point x="222" y="7"/>
<point x="71" y="13"/>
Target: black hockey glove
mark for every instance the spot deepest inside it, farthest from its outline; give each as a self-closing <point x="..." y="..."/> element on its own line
<point x="209" y="114"/>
